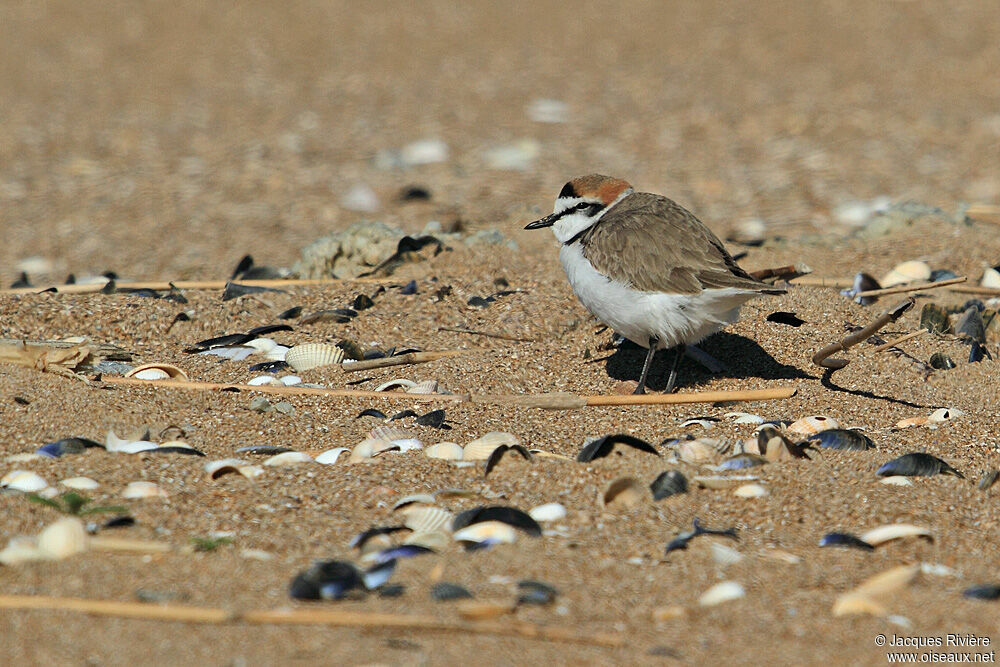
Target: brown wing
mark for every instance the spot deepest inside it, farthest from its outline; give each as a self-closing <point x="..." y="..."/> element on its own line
<point x="659" y="246"/>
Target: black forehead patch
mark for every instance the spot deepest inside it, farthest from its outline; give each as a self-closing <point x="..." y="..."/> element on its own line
<point x="567" y="191"/>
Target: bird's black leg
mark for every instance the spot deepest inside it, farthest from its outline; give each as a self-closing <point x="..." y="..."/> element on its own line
<point x="641" y="389"/>
<point x="672" y="379"/>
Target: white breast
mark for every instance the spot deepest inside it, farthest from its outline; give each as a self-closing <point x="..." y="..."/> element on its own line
<point x="637" y="315"/>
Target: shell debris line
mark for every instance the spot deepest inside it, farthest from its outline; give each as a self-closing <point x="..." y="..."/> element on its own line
<point x="276" y="348"/>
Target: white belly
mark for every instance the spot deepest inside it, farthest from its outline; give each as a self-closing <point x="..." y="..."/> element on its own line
<point x="672" y="318"/>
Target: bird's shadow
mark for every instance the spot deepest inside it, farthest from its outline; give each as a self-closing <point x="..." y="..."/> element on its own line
<point x="741" y="357"/>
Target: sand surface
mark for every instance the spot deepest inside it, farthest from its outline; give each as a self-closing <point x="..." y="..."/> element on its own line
<point x="167" y="140"/>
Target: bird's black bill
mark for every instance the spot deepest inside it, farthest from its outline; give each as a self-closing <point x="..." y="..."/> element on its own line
<point x="547" y="221"/>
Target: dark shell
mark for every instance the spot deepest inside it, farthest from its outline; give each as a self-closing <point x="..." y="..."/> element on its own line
<point x="536" y="592"/>
<point x="783" y="317"/>
<point x="444" y="591"/>
<point x="409" y="288"/>
<point x="351" y="349"/>
<point x="970" y="326"/>
<point x="480" y="302"/>
<point x="263" y="450"/>
<point x="362" y="302"/>
<point x="602" y="447"/>
<point x="499" y="452"/>
<point x="917" y="464"/>
<point x="978" y="352"/>
<point x="122" y="521"/>
<point x="862" y="283"/>
<point x="326" y="316"/>
<point x="403" y="414"/>
<point x="66" y="446"/>
<point x="937" y="275"/>
<point x="935" y="319"/>
<point x="742" y="462"/>
<point x="682" y="539"/>
<point x="669" y="483"/>
<point x="988" y="480"/>
<point x="402" y="551"/>
<point x="941" y="361"/>
<point x="269" y="367"/>
<point x="391" y="590"/>
<point x="291" y="313"/>
<point x="842" y="438"/>
<point x="325" y="580"/>
<point x="414" y="193"/>
<point x="235" y="290"/>
<point x="188" y="451"/>
<point x="845" y="540"/>
<point x="219" y="341"/>
<point x="257" y="332"/>
<point x="360" y="539"/>
<point x="983" y="592"/>
<point x="509" y="515"/>
<point x="434" y="419"/>
<point x="372" y="412"/>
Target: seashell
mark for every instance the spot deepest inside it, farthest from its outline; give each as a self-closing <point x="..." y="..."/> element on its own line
<point x="157" y="371"/>
<point x="970" y="326"/>
<point x="444" y="591"/>
<point x="842" y="438"/>
<point x="508" y="515"/>
<point x="547" y="512"/>
<point x="449" y="451"/>
<point x="911" y="421"/>
<point x="287" y="459"/>
<point x="667" y="484"/>
<point x="941" y="361"/>
<point x="427" y="519"/>
<point x="436" y="540"/>
<point x="499" y="452"/>
<point x="671" y="612"/>
<point x="883" y="534"/>
<point x="991" y="278"/>
<point x="935" y="319"/>
<point x="897" y="480"/>
<point x="397" y="383"/>
<point x="536" y="592"/>
<point x="481" y="448"/>
<point x="63" y="538"/>
<point x="389" y="433"/>
<point x="603" y="446"/>
<point x="988" y="479"/>
<point x="113" y="443"/>
<point x="542" y="454"/>
<point x="414" y="498"/>
<point x="741" y="462"/>
<point x="700" y="450"/>
<point x="264" y="381"/>
<point x="813" y="424"/>
<point x="261" y="345"/>
<point x="24" y="481"/>
<point x="724" y="555"/>
<point x="290" y="380"/>
<point x="917" y="464"/>
<point x="750" y="491"/>
<point x="262" y="450"/>
<point x="779" y="448"/>
<point x="143" y="490"/>
<point x="217" y="469"/>
<point x="722" y="482"/>
<point x="330" y="456"/>
<point x="313" y="355"/>
<point x="24" y="457"/>
<point x="865" y="598"/>
<point x="625" y="493"/>
<point x="368" y="449"/>
<point x="332" y="580"/>
<point x="943" y="414"/>
<point x="845" y="540"/>
<point x="906" y="272"/>
<point x="704" y="423"/>
<point x="745" y="418"/>
<point x="722" y="592"/>
<point x="983" y="591"/>
<point x="79" y="483"/>
<point x="176" y="447"/>
<point x="474" y="610"/>
<point x="20" y="550"/>
<point x="424" y="387"/>
<point x="488" y="532"/>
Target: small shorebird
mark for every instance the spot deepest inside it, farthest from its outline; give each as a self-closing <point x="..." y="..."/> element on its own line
<point x="646" y="266"/>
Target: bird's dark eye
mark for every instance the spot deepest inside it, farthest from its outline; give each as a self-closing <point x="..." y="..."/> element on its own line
<point x="583" y="205"/>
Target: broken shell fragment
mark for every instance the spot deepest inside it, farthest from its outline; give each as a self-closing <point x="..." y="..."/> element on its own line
<point x="943" y="414"/>
<point x="62" y="538"/>
<point x="330" y="456"/>
<point x="487" y="532"/>
<point x="896" y="480"/>
<point x="288" y="459"/>
<point x="398" y="383"/>
<point x="427" y="519"/>
<point x="745" y="418"/>
<point x="313" y="355"/>
<point x="845" y="540"/>
<point x="812" y="424"/>
<point x="898" y="531"/>
<point x="413" y="499"/>
<point x="867" y="598"/>
<point x="449" y="451"/>
<point x="724" y="591"/>
<point x="547" y="512"/>
<point x="625" y="493"/>
<point x="143" y="490"/>
<point x="157" y="371"/>
<point x="217" y="469"/>
<point x="723" y="482"/>
<point x="424" y="387"/>
<point x="366" y="450"/>
<point x="917" y="464"/>
<point x="750" y="491"/>
<point x="80" y="483"/>
<point x="24" y="481"/>
<point x="669" y="483"/>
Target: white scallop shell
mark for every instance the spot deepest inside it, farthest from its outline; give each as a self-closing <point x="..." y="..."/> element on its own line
<point x="547" y="512"/>
<point x="62" y="538"/>
<point x="157" y="371"/>
<point x="427" y="518"/>
<point x="313" y="355"/>
<point x="80" y="483"/>
<point x="393" y="384"/>
<point x="24" y="481"/>
<point x="481" y="448"/>
<point x="750" y="491"/>
<point x="724" y="555"/>
<point x="906" y="272"/>
<point x="390" y="433"/>
<point x="722" y="592"/>
<point x="897" y="531"/>
<point x="700" y="450"/>
<point x="813" y="424"/>
<point x="264" y="380"/>
<point x="330" y="456"/>
<point x="143" y="490"/>
<point x="493" y="531"/>
<point x="288" y="459"/>
<point x="424" y="387"/>
<point x="450" y="451"/>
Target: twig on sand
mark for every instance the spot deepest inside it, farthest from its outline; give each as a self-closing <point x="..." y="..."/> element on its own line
<point x="903" y="289"/>
<point x="901" y="339"/>
<point x="488" y="334"/>
<point x="399" y="360"/>
<point x="326" y="617"/>
<point x="824" y="358"/>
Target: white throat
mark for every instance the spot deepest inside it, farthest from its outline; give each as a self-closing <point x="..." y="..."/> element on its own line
<point x="572" y="224"/>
